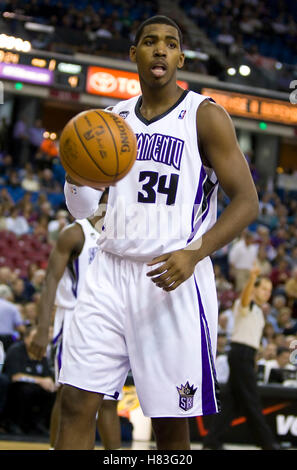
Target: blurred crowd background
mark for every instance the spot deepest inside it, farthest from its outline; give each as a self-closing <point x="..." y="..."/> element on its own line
<point x="262" y="33"/>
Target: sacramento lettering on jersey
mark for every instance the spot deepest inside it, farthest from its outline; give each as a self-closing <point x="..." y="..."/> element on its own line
<point x="160" y="148"/>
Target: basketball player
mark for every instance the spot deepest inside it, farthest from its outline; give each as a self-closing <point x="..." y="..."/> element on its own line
<point x="149" y="300"/>
<point x="74" y="251"/>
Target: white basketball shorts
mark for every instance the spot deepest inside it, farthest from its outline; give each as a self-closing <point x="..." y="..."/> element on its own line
<point x="123" y="321"/>
<point x="62" y="320"/>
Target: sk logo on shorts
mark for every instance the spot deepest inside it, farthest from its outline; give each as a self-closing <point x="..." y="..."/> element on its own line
<point x="186" y="396"/>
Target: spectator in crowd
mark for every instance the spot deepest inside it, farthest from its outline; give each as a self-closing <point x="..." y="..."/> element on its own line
<point x="32" y="390"/>
<point x="280" y="340"/>
<point x="7" y="276"/>
<point x="277" y="302"/>
<point x="291" y="289"/>
<point x="16" y="222"/>
<point x="226" y="322"/>
<point x="11" y="322"/>
<point x="222" y="366"/>
<point x="6" y="163"/>
<point x="13" y="179"/>
<point x="273" y="367"/>
<point x="48" y="182"/>
<point x="37" y="281"/>
<point x="284" y="320"/>
<point x="56" y="225"/>
<point x="293" y="257"/>
<point x="262" y="237"/>
<point x="266" y="353"/>
<point x="2" y="218"/>
<point x="20" y="293"/>
<point x="30" y="313"/>
<point x="222" y="283"/>
<point x="242" y="256"/>
<point x="225" y="40"/>
<point x="279" y="275"/>
<point x="30" y="181"/>
<point x="263" y="261"/>
<point x="268" y="334"/>
<point x="289" y="331"/>
<point x="269" y="352"/>
<point x="40" y="228"/>
<point x="266" y="203"/>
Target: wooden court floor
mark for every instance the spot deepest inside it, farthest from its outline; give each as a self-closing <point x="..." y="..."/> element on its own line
<point x="136" y="445"/>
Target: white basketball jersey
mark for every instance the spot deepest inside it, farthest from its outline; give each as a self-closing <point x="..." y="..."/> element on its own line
<point x="73" y="277"/>
<point x="168" y="199"/>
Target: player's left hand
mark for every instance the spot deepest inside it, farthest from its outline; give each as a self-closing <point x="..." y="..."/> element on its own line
<point x="178" y="267"/>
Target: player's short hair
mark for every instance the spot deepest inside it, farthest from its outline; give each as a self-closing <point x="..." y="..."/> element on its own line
<point x="158" y="19"/>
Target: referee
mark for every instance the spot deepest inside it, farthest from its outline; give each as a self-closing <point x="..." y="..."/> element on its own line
<point x="241" y="390"/>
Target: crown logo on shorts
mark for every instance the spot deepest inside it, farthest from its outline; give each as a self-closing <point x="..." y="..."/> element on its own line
<point x="186" y="396"/>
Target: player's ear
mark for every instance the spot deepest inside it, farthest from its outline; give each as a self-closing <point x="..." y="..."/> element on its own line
<point x="133" y="53"/>
<point x="181" y="61"/>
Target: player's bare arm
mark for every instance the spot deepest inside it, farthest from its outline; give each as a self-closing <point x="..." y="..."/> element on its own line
<point x="220" y="150"/>
<point x="70" y="241"/>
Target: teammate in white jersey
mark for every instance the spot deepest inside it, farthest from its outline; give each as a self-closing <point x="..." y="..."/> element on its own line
<point x="74" y="252"/>
<point x="161" y="322"/>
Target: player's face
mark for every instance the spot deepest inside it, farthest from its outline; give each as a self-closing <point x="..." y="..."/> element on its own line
<point x="157" y="54"/>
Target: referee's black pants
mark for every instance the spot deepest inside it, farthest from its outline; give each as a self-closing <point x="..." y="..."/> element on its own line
<point x="28" y="405"/>
<point x="241" y="395"/>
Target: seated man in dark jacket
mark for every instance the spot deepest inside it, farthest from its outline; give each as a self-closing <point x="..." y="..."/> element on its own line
<point x="32" y="389"/>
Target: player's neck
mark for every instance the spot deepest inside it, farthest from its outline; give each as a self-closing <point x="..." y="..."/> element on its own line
<point x="158" y="101"/>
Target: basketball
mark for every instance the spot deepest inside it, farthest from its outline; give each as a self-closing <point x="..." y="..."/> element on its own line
<point x="97" y="148"/>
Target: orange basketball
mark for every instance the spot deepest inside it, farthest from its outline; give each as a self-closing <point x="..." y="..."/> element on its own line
<point x="97" y="148"/>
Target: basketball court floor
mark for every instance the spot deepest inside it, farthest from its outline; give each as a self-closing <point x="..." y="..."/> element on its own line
<point x="7" y="444"/>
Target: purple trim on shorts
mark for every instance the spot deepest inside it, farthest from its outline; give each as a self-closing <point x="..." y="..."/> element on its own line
<point x="76" y="277"/>
<point x="209" y="385"/>
<point x="58" y="341"/>
<point x="59" y="356"/>
<point x="55" y="339"/>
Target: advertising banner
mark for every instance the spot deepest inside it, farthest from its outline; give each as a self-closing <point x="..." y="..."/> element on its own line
<point x="26" y="73"/>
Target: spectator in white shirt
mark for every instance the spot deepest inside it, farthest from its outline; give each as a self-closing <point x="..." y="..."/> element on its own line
<point x="17" y="223"/>
<point x="242" y="256"/>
